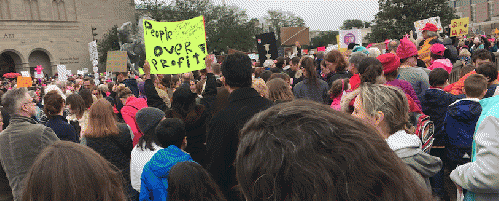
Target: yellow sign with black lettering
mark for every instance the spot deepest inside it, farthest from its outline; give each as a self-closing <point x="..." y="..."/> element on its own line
<point x="459" y="27"/>
<point x="175" y="47"/>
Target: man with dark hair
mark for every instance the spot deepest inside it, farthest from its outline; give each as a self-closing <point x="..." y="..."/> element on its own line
<point x="479" y="57"/>
<point x="22" y="140"/>
<point x="222" y="138"/>
<point x="490" y="72"/>
<point x="154" y="180"/>
<point x="131" y="83"/>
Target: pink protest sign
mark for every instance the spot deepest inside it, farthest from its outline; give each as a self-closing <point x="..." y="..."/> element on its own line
<point x="39" y="69"/>
<point x="321" y="49"/>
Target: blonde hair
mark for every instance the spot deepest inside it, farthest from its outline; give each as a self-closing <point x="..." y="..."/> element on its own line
<point x="464" y="53"/>
<point x="388" y="99"/>
<point x="279" y="90"/>
<point x="101" y="120"/>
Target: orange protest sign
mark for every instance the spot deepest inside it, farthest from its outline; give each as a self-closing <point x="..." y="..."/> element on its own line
<point x="459" y="27"/>
<point x="24" y="82"/>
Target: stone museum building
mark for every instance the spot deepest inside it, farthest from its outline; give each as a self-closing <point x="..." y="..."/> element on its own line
<point x="52" y="32"/>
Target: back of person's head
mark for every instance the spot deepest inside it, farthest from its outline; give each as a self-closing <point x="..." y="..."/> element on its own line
<point x="338" y="87"/>
<point x="370" y="69"/>
<point x="265" y="75"/>
<point x="489" y="71"/>
<point x="76" y="104"/>
<point x="374" y="52"/>
<point x="123" y="92"/>
<point x="147" y="119"/>
<point x="236" y="68"/>
<point x="283" y="76"/>
<point x="170" y="131"/>
<point x="183" y="101"/>
<point x="356" y="58"/>
<point x="481" y="54"/>
<point x="280" y="62"/>
<point x="53" y="104"/>
<point x="167" y="80"/>
<point x="475" y="86"/>
<point x="86" y="95"/>
<point x="335" y="56"/>
<point x="13" y="99"/>
<point x="307" y="63"/>
<point x="304" y="150"/>
<point x="279" y="90"/>
<point x="190" y="181"/>
<point x="70" y="171"/>
<point x="438" y="77"/>
<point x="295" y="60"/>
<point x="388" y="99"/>
<point x="393" y="45"/>
<point x="101" y="120"/>
<point x="217" y="69"/>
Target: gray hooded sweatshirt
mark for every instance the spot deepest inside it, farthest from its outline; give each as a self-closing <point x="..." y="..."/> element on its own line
<point x="408" y="148"/>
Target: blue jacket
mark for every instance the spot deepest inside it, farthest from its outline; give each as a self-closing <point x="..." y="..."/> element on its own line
<point x="154" y="178"/>
<point x="434" y="103"/>
<point x="460" y="123"/>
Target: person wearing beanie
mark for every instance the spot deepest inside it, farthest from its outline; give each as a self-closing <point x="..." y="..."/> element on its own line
<point x="391" y="63"/>
<point x="195" y="118"/>
<point x="147" y="120"/>
<point x="409" y="71"/>
<point x="438" y="59"/>
<point x="430" y="36"/>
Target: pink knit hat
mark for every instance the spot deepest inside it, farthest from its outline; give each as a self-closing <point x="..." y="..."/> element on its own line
<point x="390" y="62"/>
<point x="441" y="63"/>
<point x="437" y="49"/>
<point x="406" y="49"/>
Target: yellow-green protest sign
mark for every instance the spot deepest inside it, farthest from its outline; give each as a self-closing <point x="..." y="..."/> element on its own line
<point x="459" y="27"/>
<point x="175" y="47"/>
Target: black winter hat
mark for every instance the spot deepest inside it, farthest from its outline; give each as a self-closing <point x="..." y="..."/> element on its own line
<point x="148" y="118"/>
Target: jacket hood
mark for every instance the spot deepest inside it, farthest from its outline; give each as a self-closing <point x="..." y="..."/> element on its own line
<point x="447" y="41"/>
<point x="165" y="159"/>
<point x="401" y="140"/>
<point x="465" y="109"/>
<point x="408" y="148"/>
<point x="139" y="103"/>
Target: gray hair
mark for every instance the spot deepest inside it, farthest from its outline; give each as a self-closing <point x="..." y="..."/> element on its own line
<point x="356" y="58"/>
<point x="61" y="85"/>
<point x="388" y="99"/>
<point x="431" y="33"/>
<point x="13" y="99"/>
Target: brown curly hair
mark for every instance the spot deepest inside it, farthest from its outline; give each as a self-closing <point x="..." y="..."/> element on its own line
<point x="123" y="92"/>
<point x="53" y="104"/>
<point x="335" y="56"/>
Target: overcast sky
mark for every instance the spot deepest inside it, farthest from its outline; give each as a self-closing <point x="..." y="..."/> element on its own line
<point x="320" y="15"/>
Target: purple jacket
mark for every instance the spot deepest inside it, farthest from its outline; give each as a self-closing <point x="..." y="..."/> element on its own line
<point x="407" y="88"/>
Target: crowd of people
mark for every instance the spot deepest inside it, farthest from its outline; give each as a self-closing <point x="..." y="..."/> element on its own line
<point x="330" y="126"/>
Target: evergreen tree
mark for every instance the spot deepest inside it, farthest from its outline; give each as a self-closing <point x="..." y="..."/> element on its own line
<point x="396" y="18"/>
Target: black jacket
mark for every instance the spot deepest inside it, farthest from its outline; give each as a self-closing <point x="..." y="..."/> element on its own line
<point x="63" y="129"/>
<point x="222" y="138"/>
<point x="132" y="85"/>
<point x="115" y="149"/>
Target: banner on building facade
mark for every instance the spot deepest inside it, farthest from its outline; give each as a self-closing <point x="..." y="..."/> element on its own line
<point x="175" y="47"/>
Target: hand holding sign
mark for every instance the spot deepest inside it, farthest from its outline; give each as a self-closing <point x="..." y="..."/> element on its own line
<point x="175" y="47"/>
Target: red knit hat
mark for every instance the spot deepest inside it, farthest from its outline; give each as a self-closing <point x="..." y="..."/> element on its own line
<point x="391" y="62"/>
<point x="437" y="49"/>
<point x="406" y="49"/>
<point x="429" y="27"/>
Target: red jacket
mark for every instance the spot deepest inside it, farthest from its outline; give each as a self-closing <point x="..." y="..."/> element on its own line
<point x="132" y="106"/>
